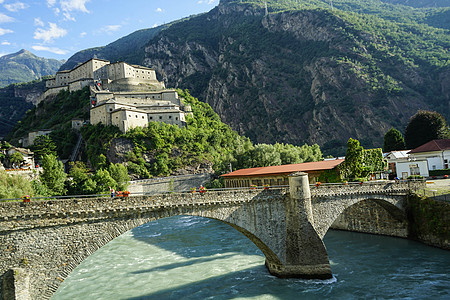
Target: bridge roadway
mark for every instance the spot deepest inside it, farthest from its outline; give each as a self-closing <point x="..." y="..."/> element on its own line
<point x="41" y="242"/>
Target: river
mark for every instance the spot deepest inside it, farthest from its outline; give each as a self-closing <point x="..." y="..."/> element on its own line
<point x="195" y="258"/>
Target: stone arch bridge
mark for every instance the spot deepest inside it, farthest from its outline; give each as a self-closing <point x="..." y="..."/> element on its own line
<point x="41" y="242"/>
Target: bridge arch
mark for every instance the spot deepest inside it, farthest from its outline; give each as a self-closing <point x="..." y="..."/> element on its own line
<point x="98" y="242"/>
<point x="355" y="212"/>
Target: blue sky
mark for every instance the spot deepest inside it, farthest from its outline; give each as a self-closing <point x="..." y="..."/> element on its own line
<point x="59" y="28"/>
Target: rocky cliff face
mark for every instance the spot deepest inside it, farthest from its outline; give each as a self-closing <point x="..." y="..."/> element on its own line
<point x="15" y="100"/>
<point x="282" y="77"/>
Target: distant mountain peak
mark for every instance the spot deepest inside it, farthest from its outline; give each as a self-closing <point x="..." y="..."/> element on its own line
<point x="24" y="66"/>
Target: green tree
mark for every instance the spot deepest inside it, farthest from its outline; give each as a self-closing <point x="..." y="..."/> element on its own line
<point x="425" y="126"/>
<point x="16" y="158"/>
<point x="53" y="175"/>
<point x="120" y="174"/>
<point x="78" y="175"/>
<point x="393" y="140"/>
<point x="353" y="159"/>
<point x="43" y="145"/>
<point x="103" y="181"/>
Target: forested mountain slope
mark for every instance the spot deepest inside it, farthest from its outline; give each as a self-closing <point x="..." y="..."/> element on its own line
<point x="311" y="71"/>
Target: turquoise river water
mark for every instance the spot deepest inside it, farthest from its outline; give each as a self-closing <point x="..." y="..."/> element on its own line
<point x="195" y="258"/>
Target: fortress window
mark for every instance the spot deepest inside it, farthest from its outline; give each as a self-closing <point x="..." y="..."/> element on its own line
<point x="176" y="118"/>
<point x="142" y="117"/>
<point x="160" y="117"/>
<point x="170" y="117"/>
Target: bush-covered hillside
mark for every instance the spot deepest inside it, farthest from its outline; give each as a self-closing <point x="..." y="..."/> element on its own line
<point x="161" y="149"/>
<point x="206" y="144"/>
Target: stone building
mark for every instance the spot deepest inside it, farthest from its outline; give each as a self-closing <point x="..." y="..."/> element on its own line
<point x="127" y="110"/>
<point x="123" y="95"/>
<point x="81" y="73"/>
<point x="29" y="140"/>
<point x="121" y="74"/>
<point x="278" y="175"/>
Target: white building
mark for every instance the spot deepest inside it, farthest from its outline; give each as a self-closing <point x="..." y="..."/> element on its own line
<point x="401" y="165"/>
<point x="435" y="152"/>
<point x="433" y="155"/>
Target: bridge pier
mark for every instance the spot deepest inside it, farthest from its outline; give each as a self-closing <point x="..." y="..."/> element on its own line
<point x="306" y="256"/>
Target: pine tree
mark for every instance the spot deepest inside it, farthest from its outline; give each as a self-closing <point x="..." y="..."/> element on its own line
<point x="393" y="140"/>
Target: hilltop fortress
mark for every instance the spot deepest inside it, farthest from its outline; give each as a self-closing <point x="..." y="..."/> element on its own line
<point x="123" y="95"/>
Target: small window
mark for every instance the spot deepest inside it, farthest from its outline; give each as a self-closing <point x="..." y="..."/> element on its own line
<point x="142" y="117"/>
<point x="160" y="117"/>
<point x="176" y="118"/>
<point x="151" y="118"/>
<point x="170" y="117"/>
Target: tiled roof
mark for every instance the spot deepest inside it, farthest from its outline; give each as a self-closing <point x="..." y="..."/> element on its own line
<point x="434" y="145"/>
<point x="286" y="169"/>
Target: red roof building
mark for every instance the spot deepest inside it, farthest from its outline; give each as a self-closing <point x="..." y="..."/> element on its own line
<point x="277" y="175"/>
<point x="435" y="152"/>
<point x="431" y="146"/>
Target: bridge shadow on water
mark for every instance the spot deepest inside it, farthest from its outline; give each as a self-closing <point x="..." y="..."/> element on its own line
<point x="200" y="241"/>
<point x="190" y="237"/>
<point x="183" y="264"/>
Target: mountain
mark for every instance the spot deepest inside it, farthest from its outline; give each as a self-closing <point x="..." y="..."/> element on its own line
<point x="129" y="48"/>
<point x="24" y="66"/>
<point x="310" y="71"/>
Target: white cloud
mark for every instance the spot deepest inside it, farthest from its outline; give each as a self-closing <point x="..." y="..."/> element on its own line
<point x="108" y="29"/>
<point x="4" y="18"/>
<point x="209" y="2"/>
<point x="50" y="3"/>
<point x="16" y="6"/>
<point x="48" y="35"/>
<point x="49" y="49"/>
<point x="5" y="31"/>
<point x="69" y="6"/>
<point x="83" y="34"/>
<point x="74" y="5"/>
<point x="159" y="10"/>
<point x="68" y="16"/>
<point x="6" y="43"/>
<point x="38" y="22"/>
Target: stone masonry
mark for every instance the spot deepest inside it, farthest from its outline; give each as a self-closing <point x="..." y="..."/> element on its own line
<point x="41" y="242"/>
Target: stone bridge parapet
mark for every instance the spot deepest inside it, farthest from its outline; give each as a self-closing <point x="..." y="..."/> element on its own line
<point x="330" y="190"/>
